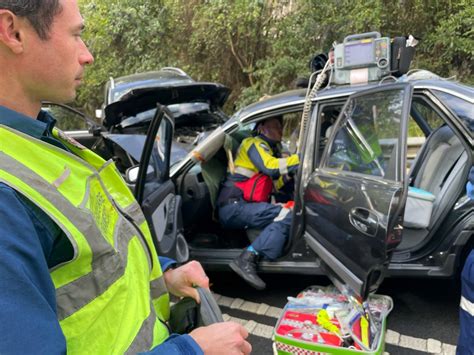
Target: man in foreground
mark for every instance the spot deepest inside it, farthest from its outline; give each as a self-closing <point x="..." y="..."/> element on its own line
<point x="244" y="199"/>
<point x="78" y="271"/>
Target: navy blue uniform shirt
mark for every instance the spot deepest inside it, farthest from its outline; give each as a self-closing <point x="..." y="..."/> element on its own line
<point x="31" y="243"/>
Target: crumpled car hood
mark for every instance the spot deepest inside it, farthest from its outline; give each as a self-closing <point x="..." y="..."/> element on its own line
<point x="143" y="99"/>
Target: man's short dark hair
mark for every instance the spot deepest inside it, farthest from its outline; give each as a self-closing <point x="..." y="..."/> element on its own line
<point x="40" y="13"/>
<point x="259" y="123"/>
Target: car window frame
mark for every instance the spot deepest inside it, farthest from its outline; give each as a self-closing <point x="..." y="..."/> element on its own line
<point x="456" y="121"/>
<point x="315" y="129"/>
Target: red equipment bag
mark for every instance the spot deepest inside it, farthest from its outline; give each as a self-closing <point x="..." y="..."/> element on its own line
<point x="256" y="189"/>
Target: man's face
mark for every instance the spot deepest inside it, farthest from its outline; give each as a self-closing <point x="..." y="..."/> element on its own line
<point x="54" y="68"/>
<point x="272" y="129"/>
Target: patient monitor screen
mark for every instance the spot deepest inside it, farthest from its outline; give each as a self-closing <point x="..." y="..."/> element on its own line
<point x="359" y="53"/>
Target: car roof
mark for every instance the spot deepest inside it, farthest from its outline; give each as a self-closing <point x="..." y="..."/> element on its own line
<point x="287" y="98"/>
<point x="172" y="74"/>
<point x="449" y="86"/>
<point x="296" y="97"/>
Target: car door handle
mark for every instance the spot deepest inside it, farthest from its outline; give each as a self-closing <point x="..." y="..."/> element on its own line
<point x="364" y="220"/>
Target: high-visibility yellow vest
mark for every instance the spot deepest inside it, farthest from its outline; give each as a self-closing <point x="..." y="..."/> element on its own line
<point x="111" y="297"/>
<point x="279" y="166"/>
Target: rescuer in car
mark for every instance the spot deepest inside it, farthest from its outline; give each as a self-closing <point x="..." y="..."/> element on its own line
<point x="244" y="199"/>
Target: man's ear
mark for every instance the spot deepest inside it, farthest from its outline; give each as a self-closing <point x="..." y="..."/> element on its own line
<point x="11" y="31"/>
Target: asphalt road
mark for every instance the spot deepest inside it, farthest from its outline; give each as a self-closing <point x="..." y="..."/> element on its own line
<point x="424" y="319"/>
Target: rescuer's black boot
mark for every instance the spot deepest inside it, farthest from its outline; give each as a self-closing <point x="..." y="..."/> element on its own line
<point x="245" y="265"/>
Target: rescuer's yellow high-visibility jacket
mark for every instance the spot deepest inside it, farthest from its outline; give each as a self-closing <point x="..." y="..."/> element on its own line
<point x="256" y="155"/>
<point x="111" y="297"/>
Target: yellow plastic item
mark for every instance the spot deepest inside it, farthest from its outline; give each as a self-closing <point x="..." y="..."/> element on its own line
<point x="364" y="331"/>
<point x="325" y="322"/>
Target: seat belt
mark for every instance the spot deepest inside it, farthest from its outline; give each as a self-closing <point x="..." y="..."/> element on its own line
<point x="228" y="145"/>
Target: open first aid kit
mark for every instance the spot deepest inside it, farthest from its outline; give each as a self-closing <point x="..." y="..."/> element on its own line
<point x="322" y="320"/>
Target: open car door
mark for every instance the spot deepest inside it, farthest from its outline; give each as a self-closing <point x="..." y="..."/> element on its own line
<point x="155" y="192"/>
<point x="354" y="201"/>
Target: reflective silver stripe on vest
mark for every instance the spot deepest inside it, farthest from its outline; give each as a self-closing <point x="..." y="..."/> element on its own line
<point x="58" y="182"/>
<point x="467" y="306"/>
<point x="244" y="171"/>
<point x="106" y="270"/>
<point x="158" y="288"/>
<point x="144" y="339"/>
<point x="283" y="166"/>
<point x="135" y="222"/>
<point x="106" y="264"/>
<point x="135" y="212"/>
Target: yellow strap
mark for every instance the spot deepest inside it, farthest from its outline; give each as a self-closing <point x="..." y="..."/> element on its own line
<point x="230" y="160"/>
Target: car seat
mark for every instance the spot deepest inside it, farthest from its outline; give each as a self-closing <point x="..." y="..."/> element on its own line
<point x="437" y="169"/>
<point x="215" y="169"/>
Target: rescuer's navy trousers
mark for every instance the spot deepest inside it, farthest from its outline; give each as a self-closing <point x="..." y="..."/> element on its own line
<point x="271" y="218"/>
<point x="466" y="308"/>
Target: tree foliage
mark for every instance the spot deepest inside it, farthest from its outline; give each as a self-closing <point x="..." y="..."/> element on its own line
<point x="260" y="47"/>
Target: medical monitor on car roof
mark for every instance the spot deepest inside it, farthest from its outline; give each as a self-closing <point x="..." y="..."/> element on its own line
<point x="359" y="53"/>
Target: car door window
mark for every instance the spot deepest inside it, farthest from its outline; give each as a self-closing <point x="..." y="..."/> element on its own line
<point x="291" y="129"/>
<point x="367" y="135"/>
<point x="426" y="113"/>
<point x="423" y="120"/>
<point x="155" y="155"/>
<point x="159" y="158"/>
<point x="462" y="108"/>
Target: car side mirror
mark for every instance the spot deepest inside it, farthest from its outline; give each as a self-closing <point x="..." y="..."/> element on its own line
<point x="131" y="174"/>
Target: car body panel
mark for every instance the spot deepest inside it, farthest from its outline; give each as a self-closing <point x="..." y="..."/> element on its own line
<point x="118" y="87"/>
<point x="144" y="99"/>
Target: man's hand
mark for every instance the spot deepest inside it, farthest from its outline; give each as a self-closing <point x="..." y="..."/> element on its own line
<point x="181" y="281"/>
<point x="222" y="338"/>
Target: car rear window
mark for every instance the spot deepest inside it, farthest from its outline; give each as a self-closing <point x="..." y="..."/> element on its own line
<point x="462" y="108"/>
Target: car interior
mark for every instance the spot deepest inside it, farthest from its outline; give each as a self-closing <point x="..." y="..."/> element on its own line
<point x="438" y="168"/>
<point x="199" y="189"/>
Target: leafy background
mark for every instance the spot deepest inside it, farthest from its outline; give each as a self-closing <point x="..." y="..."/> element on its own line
<point x="260" y="47"/>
